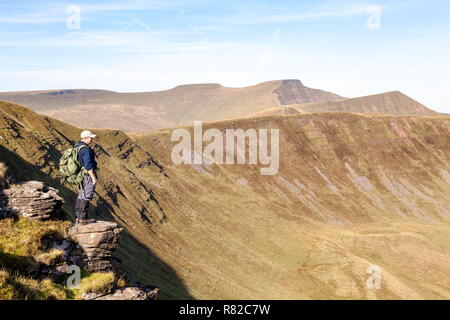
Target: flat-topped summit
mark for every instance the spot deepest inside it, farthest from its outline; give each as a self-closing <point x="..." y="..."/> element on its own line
<point x="198" y="86"/>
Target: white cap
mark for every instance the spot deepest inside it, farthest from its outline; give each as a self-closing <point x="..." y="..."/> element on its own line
<point x="87" y="134"/>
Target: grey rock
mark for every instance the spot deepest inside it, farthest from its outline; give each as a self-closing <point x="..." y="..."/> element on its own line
<point x="90" y="296"/>
<point x="98" y="241"/>
<point x="32" y="199"/>
<point x="131" y="293"/>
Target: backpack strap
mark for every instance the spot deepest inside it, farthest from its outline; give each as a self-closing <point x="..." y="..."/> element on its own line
<point x="79" y="148"/>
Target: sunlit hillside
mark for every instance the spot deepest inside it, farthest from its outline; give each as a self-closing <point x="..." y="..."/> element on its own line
<point x="352" y="191"/>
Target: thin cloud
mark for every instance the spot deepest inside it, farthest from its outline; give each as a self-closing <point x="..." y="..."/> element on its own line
<point x="47" y="13"/>
<point x="33" y="18"/>
<point x="147" y="39"/>
<point x="137" y="5"/>
<point x="353" y="9"/>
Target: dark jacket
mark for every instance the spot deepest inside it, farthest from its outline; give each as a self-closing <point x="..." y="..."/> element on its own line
<point x="86" y="157"/>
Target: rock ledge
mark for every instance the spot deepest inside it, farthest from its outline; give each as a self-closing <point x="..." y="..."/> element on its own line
<point x="98" y="241"/>
<point x="32" y="200"/>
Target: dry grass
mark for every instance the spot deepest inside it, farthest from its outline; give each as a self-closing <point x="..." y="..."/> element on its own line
<point x="51" y="257"/>
<point x="24" y="245"/>
<point x="25" y="237"/>
<point x="98" y="283"/>
<point x="121" y="282"/>
<point x="14" y="286"/>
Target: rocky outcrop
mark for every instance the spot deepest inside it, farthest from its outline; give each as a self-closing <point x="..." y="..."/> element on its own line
<point x="294" y="92"/>
<point x="127" y="293"/>
<point x="32" y="200"/>
<point x="98" y="241"/>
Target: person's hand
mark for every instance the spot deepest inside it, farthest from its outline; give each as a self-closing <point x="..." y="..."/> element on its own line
<point x="93" y="176"/>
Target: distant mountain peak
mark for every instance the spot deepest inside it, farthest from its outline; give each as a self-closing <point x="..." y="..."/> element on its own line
<point x="295" y="82"/>
<point x="292" y="91"/>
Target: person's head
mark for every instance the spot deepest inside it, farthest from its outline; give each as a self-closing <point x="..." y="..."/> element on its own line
<point x="87" y="137"/>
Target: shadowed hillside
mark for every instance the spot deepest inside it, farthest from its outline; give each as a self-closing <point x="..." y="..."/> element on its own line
<point x="149" y="110"/>
<point x="352" y="191"/>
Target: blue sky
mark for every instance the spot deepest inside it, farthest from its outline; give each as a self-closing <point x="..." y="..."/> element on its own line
<point x="352" y="48"/>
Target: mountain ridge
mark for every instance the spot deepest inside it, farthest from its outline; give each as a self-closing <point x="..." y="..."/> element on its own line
<point x="143" y="111"/>
<point x="391" y="102"/>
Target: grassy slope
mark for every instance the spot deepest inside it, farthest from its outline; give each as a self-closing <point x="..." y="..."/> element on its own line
<point x="352" y="191"/>
<point x="23" y="245"/>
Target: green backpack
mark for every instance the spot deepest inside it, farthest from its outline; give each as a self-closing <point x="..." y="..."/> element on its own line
<point x="70" y="168"/>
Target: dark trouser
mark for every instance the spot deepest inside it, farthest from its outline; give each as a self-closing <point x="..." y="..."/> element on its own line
<point x="86" y="193"/>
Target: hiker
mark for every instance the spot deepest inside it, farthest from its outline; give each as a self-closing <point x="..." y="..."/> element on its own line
<point x="86" y="157"/>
